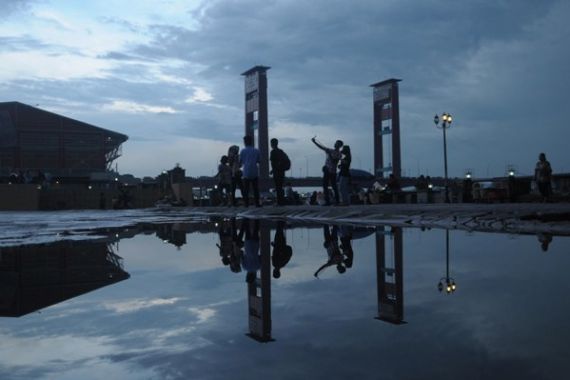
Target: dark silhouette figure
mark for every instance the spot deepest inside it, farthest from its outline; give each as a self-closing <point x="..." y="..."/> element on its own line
<point x="225" y="246"/>
<point x="281" y="251"/>
<point x="335" y="257"/>
<point x="224" y="176"/>
<point x="237" y="247"/>
<point x="280" y="163"/>
<point x="393" y="185"/>
<point x="545" y="239"/>
<point x="233" y="163"/>
<point x="329" y="170"/>
<point x="251" y="261"/>
<point x="249" y="158"/>
<point x="543" y="176"/>
<point x="344" y="175"/>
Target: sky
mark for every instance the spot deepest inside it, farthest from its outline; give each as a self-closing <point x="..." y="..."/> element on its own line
<point x="167" y="74"/>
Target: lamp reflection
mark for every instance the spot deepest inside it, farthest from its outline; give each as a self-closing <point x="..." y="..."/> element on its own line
<point x="447" y="282"/>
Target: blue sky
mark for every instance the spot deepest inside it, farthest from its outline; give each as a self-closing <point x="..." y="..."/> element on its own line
<point x="167" y="73"/>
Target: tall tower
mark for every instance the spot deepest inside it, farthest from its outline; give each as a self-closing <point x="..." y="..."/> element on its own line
<point x="256" y="120"/>
<point x="386" y="122"/>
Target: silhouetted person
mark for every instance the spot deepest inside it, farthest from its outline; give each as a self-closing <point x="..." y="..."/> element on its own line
<point x="249" y="158"/>
<point x="393" y="184"/>
<point x="329" y="170"/>
<point x="233" y="163"/>
<point x="251" y="260"/>
<point x="543" y="176"/>
<point x="280" y="163"/>
<point x="421" y="183"/>
<point x="224" y="176"/>
<point x="545" y="239"/>
<point x="281" y="251"/>
<point x="344" y="175"/>
<point x="102" y="201"/>
<point x="335" y="257"/>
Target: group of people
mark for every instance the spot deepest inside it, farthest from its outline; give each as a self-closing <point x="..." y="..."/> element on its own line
<point x="240" y="170"/>
<point x="339" y="158"/>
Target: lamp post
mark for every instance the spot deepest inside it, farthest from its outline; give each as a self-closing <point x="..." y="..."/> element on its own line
<point x="449" y="282"/>
<point x="446" y="123"/>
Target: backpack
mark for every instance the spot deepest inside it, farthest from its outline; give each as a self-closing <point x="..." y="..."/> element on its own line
<point x="284" y="161"/>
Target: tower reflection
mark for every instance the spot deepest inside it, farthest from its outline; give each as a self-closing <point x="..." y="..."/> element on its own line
<point x="390" y="274"/>
<point x="257" y="258"/>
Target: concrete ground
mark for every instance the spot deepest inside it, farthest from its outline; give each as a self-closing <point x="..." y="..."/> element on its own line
<point x="553" y="218"/>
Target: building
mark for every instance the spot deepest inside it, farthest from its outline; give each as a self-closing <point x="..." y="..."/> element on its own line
<point x="37" y="140"/>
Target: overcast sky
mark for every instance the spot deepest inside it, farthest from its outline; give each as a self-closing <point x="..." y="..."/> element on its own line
<point x="167" y="74"/>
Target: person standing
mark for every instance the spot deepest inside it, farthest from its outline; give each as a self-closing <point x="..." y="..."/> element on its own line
<point x="280" y="163"/>
<point x="543" y="176"/>
<point x="233" y="162"/>
<point x="224" y="176"/>
<point x="249" y="158"/>
<point x="329" y="170"/>
<point x="344" y="175"/>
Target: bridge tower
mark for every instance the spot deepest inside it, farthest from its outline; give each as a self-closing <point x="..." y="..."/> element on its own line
<point x="386" y="123"/>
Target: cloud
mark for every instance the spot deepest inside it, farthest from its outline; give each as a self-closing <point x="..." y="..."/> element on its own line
<point x="132" y="107"/>
<point x="483" y="62"/>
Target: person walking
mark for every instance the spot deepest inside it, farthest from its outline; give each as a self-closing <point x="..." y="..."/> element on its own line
<point x="249" y="158"/>
<point x="280" y="163"/>
<point x="543" y="177"/>
<point x="344" y="175"/>
<point x="329" y="170"/>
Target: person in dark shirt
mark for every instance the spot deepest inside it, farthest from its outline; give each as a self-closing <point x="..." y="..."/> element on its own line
<point x="279" y="164"/>
<point x="344" y="175"/>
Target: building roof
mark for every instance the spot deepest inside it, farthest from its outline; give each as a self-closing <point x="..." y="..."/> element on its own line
<point x="115" y="135"/>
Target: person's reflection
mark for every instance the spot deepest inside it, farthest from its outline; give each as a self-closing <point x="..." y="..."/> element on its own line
<point x="251" y="260"/>
<point x="225" y="234"/>
<point x="335" y="257"/>
<point x="346" y="244"/>
<point x="544" y="239"/>
<point x="281" y="251"/>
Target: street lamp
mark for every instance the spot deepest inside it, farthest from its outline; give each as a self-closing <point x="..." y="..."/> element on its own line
<point x="446" y="123"/>
<point x="447" y="281"/>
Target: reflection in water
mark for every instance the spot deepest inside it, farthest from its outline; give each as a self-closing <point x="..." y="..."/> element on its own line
<point x="37" y="276"/>
<point x="174" y="234"/>
<point x="450" y="285"/>
<point x="335" y="257"/>
<point x="544" y="239"/>
<point x="281" y="251"/>
<point x="258" y="289"/>
<point x="390" y="272"/>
